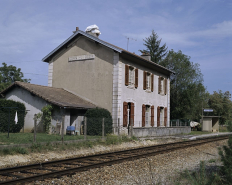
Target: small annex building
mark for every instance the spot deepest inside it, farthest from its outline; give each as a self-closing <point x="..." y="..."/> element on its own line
<point x="210" y="123"/>
<point x="35" y="97"/>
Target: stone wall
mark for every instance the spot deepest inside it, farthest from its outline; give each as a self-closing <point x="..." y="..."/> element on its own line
<point x="160" y="131"/>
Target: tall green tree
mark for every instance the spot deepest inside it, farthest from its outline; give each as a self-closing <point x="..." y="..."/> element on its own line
<point x="10" y="74"/>
<point x="222" y="105"/>
<point x="187" y="92"/>
<point x="154" y="48"/>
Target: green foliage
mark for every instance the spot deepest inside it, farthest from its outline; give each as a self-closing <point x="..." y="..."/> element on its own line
<point x="153" y="47"/>
<point x="9" y="114"/>
<point x="94" y="121"/>
<point x="226" y="158"/>
<point x="46" y="117"/>
<point x="10" y="74"/>
<point x="187" y="93"/>
<point x="201" y="177"/>
<point x="14" y="150"/>
<point x="222" y="105"/>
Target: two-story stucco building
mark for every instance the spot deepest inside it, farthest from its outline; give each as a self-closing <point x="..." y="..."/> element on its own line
<point x="130" y="86"/>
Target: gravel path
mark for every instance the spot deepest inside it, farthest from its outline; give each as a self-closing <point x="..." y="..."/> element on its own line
<point x="162" y="168"/>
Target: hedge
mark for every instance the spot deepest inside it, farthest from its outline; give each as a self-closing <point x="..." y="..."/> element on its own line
<point x="7" y="113"/>
<point x="94" y="121"/>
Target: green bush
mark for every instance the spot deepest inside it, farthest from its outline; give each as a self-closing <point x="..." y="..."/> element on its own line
<point x="226" y="158"/>
<point x="94" y="121"/>
<point x="9" y="114"/>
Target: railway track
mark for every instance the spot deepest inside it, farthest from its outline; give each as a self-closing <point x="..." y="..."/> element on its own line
<point x="55" y="169"/>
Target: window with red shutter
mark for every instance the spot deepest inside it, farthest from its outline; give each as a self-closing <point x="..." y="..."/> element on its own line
<point x="125" y="114"/>
<point x="152" y="82"/>
<point x="165" y="116"/>
<point x="165" y="86"/>
<point x="152" y="116"/>
<point x="126" y="75"/>
<point x="159" y="85"/>
<point x="136" y="78"/>
<point x="143" y="115"/>
<point x="144" y="80"/>
<point x="132" y="113"/>
<point x="158" y="116"/>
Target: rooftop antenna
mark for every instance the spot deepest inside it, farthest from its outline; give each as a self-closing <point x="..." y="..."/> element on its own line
<point x="128" y="38"/>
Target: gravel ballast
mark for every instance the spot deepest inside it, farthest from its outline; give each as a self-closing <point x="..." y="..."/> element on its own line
<point x="162" y="168"/>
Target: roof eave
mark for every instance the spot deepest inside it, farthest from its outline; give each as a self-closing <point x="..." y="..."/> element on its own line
<point x="150" y="62"/>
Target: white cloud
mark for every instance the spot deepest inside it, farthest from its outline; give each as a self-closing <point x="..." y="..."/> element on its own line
<point x="220" y="30"/>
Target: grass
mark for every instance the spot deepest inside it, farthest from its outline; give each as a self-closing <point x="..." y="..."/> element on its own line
<point x="26" y="138"/>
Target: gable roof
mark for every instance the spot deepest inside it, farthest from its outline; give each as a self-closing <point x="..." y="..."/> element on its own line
<point x="96" y="39"/>
<point x="56" y="96"/>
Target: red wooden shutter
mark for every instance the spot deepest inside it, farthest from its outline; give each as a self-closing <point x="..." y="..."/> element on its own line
<point x="158" y="116"/>
<point x="132" y="113"/>
<point x="152" y="116"/>
<point x="126" y="75"/>
<point x="159" y="85"/>
<point x="143" y="115"/>
<point x="165" y="86"/>
<point x="152" y="79"/>
<point x="136" y="78"/>
<point x="124" y="114"/>
<point x="144" y="80"/>
<point x="165" y="116"/>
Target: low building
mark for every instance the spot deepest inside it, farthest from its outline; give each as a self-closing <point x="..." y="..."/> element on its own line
<point x="210" y="123"/>
<point x="35" y="97"/>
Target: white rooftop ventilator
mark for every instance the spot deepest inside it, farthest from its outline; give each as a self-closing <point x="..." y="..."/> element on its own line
<point x="93" y="29"/>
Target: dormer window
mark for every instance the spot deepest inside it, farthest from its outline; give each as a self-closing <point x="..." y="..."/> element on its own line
<point x="131" y="76"/>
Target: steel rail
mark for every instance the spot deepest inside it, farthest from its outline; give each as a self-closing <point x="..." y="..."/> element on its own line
<point x="88" y="162"/>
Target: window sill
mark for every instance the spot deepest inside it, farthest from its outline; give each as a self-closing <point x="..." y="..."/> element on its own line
<point x="131" y="86"/>
<point x="148" y="91"/>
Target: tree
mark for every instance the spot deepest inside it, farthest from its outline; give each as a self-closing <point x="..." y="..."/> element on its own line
<point x="153" y="47"/>
<point x="10" y="74"/>
<point x="186" y="86"/>
<point x="222" y="105"/>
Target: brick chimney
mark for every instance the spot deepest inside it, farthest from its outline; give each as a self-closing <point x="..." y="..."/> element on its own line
<point x="146" y="56"/>
<point x="77" y="28"/>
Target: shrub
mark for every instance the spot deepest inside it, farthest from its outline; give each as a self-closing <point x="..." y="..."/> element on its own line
<point x="9" y="114"/>
<point x="226" y="158"/>
<point x="94" y="121"/>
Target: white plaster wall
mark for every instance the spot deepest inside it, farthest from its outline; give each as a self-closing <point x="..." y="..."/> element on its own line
<point x="32" y="103"/>
<point x="139" y="96"/>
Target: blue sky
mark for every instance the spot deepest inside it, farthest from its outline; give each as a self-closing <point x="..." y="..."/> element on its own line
<point x="201" y="29"/>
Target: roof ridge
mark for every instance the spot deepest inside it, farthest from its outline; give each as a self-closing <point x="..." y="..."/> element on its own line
<point x="38" y="85"/>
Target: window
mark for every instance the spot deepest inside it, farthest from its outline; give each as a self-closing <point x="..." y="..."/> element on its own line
<point x="131" y="76"/>
<point x="148" y="81"/>
<point x="161" y="116"/>
<point x="128" y="113"/>
<point x="147" y="115"/>
<point x="162" y="85"/>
